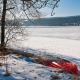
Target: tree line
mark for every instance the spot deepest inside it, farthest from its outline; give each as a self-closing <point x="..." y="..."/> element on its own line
<point x="55" y="21"/>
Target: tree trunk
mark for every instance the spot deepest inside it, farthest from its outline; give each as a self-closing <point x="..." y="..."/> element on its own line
<point x="3" y="24"/>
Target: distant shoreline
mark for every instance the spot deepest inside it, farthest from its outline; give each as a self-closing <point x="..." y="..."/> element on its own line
<point x="48" y="26"/>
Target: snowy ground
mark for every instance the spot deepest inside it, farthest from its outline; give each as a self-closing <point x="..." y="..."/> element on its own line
<point x="59" y="41"/>
<point x="21" y="69"/>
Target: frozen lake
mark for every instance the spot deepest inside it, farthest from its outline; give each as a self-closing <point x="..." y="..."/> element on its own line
<point x="66" y="32"/>
<point x="59" y="40"/>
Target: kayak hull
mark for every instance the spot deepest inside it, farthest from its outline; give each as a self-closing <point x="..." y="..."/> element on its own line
<point x="60" y="63"/>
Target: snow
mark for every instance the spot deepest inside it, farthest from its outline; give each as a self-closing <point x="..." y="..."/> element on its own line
<point x="24" y="70"/>
<point x="54" y="45"/>
<point x="63" y="42"/>
<point x="60" y="41"/>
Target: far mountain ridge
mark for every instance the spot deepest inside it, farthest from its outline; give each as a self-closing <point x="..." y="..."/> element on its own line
<point x="53" y="21"/>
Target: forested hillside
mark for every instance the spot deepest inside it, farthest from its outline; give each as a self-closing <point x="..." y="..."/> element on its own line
<point x="54" y="21"/>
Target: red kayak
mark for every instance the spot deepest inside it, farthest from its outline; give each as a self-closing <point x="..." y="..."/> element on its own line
<point x="61" y="63"/>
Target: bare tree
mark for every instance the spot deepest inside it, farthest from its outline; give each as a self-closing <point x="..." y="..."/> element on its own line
<point x="10" y="13"/>
<point x="12" y="10"/>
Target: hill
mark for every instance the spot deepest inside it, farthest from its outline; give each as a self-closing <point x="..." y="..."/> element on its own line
<point x="54" y="21"/>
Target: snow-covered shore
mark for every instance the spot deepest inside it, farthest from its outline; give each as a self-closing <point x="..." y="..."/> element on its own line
<point x="61" y="41"/>
<point x="21" y="69"/>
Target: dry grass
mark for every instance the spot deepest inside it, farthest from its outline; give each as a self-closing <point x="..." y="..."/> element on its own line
<point x="18" y="72"/>
<point x="19" y="53"/>
<point x="54" y="77"/>
<point x="19" y="56"/>
<point x="35" y="77"/>
<point x="7" y="74"/>
<point x="0" y="64"/>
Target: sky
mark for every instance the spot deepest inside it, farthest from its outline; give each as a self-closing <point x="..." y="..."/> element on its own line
<point x="66" y="8"/>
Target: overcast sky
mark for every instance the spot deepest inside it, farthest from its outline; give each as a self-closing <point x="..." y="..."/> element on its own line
<point x="66" y="8"/>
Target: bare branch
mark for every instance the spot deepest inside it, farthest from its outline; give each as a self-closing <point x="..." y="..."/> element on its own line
<point x="17" y="9"/>
<point x="10" y="8"/>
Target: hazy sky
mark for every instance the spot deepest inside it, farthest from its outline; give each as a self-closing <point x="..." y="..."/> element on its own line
<point x="66" y="8"/>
